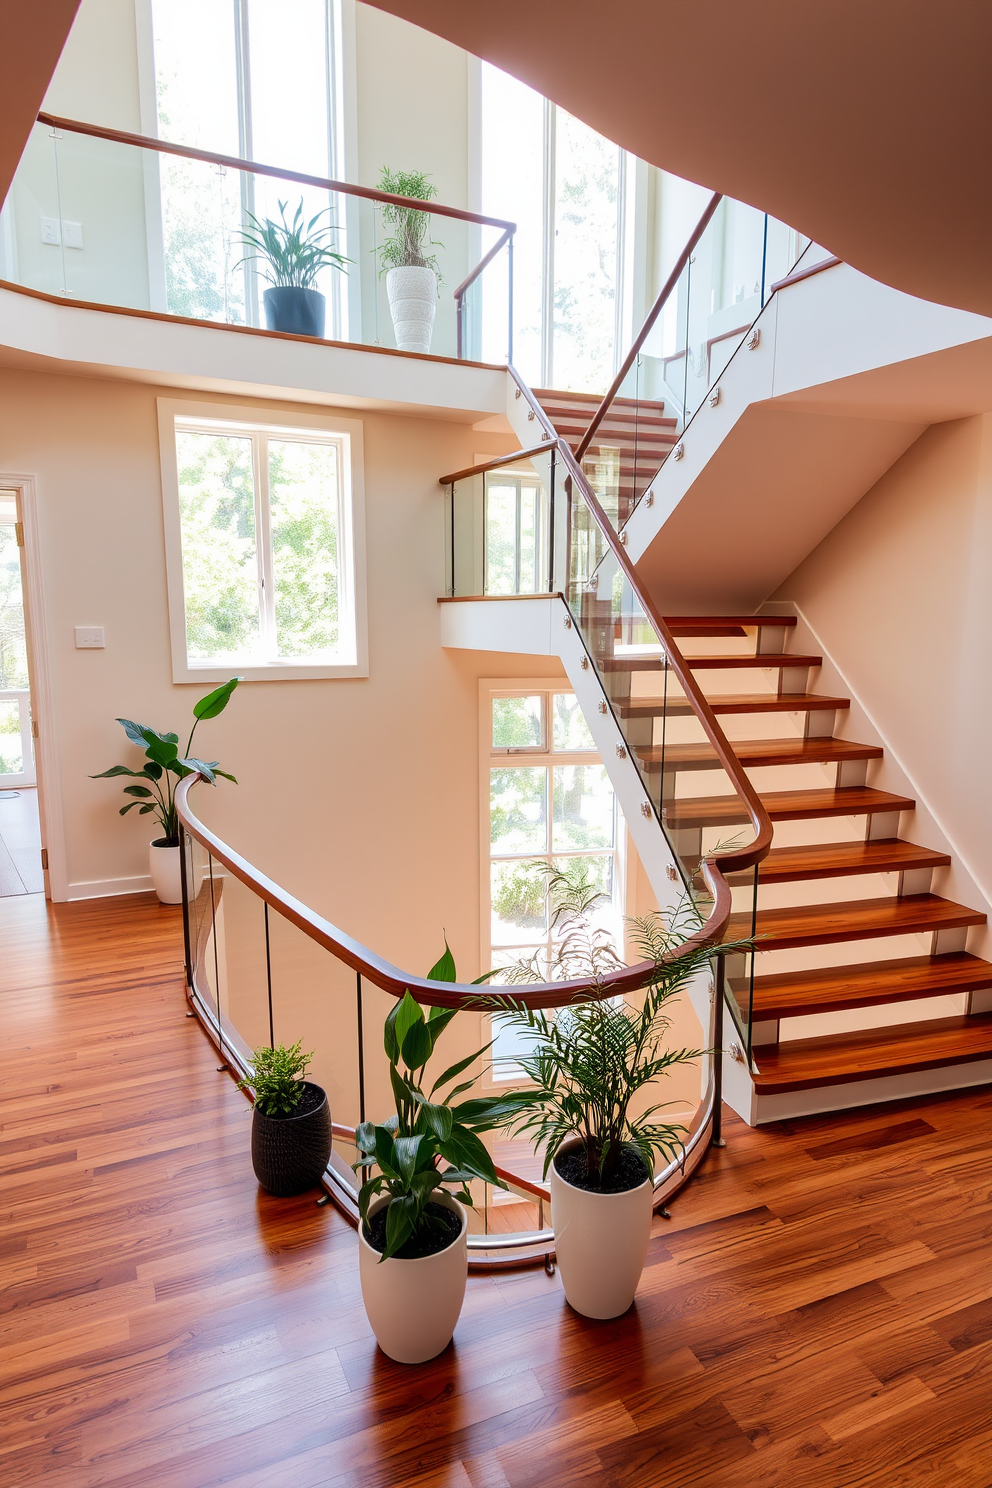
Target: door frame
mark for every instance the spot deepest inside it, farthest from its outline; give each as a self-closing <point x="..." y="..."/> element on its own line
<point x="39" y="677"/>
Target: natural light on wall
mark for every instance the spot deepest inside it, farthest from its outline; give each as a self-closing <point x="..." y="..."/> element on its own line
<point x="260" y="521"/>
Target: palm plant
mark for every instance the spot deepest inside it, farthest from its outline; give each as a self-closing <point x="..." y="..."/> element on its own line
<point x="405" y="247"/>
<point x="164" y="767"/>
<point x="295" y="252"/>
<point x="590" y="1061"/>
<point x="427" y="1127"/>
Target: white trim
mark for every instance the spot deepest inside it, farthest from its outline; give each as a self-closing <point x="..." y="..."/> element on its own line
<point x="151" y="174"/>
<point x="106" y="888"/>
<point x="39" y="671"/>
<point x="353" y="533"/>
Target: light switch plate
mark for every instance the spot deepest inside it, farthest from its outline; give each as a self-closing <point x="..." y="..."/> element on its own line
<point x="50" y="230"/>
<point x="72" y="234"/>
<point x="90" y="637"/>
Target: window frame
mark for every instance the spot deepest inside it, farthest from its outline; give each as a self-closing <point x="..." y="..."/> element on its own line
<point x="241" y="421"/>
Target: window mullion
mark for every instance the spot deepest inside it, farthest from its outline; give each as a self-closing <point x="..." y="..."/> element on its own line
<point x="263" y="527"/>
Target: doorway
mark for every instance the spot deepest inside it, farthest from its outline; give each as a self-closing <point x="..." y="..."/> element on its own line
<point x="21" y="870"/>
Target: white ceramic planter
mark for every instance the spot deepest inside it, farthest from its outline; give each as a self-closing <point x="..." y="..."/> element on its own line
<point x="412" y="302"/>
<point x="601" y="1242"/>
<point x="163" y="865"/>
<point x="413" y="1306"/>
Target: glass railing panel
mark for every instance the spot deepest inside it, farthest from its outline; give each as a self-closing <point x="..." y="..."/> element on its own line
<point x="500" y="528"/>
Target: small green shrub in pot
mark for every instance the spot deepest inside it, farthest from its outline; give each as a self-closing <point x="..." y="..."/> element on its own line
<point x="412" y="1230"/>
<point x="291" y="1120"/>
<point x="293" y="254"/>
<point x="412" y="275"/>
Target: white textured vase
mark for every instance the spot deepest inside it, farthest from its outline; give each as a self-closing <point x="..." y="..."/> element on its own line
<point x="601" y="1242"/>
<point x="164" y="867"/>
<point x="412" y="295"/>
<point x="413" y="1306"/>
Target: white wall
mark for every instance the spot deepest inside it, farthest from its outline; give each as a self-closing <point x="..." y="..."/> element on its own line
<point x="900" y="594"/>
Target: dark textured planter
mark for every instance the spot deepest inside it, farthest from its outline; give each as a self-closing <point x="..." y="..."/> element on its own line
<point x="295" y="312"/>
<point x="290" y="1153"/>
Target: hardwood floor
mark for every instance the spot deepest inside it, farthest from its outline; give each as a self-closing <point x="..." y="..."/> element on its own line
<point x="818" y="1311"/>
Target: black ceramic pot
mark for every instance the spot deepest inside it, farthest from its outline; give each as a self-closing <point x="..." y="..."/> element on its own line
<point x="289" y="1153"/>
<point x="294" y="311"/>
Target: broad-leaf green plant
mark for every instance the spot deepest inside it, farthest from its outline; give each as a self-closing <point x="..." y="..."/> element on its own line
<point x="293" y="252"/>
<point x="429" y="1127"/>
<point x="405" y="245"/>
<point x="164" y="767"/>
<point x="589" y="1061"/>
<point x="277" y="1078"/>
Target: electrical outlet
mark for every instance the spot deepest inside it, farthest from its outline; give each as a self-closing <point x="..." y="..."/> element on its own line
<point x="90" y="638"/>
<point x="72" y="234"/>
<point x="50" y="232"/>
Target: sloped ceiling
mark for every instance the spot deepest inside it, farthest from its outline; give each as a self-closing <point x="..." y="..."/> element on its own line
<point x="866" y="125"/>
<point x="31" y="40"/>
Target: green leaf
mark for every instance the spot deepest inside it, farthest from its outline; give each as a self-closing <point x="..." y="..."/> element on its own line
<point x="189" y="765"/>
<point x="454" y="1070"/>
<point x="405" y="1151"/>
<point x="384" y="1152"/>
<point x="399" y="1224"/>
<point x="365" y="1136"/>
<point x="464" y="1149"/>
<point x="438" y="1118"/>
<point x="115" y="770"/>
<point x="444" y="970"/>
<point x="136" y="790"/>
<point x="162" y="751"/>
<point x="417" y="1046"/>
<point x="389" y="1039"/>
<point x="129" y="807"/>
<point x="152" y="770"/>
<point x="215" y="702"/>
<point x="409" y="1012"/>
<point x="135" y="731"/>
<point x="225" y="775"/>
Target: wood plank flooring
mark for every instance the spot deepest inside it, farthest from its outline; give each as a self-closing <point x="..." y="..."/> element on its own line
<point x="818" y="1311"/>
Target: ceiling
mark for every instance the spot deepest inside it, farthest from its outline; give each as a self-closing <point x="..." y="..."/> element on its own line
<point x="866" y="126"/>
<point x="31" y="42"/>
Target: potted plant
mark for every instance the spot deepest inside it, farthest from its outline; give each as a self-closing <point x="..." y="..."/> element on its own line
<point x="163" y="767"/>
<point x="587" y="1065"/>
<point x="413" y="1233"/>
<point x="412" y="276"/>
<point x="295" y="252"/>
<point x="291" y="1120"/>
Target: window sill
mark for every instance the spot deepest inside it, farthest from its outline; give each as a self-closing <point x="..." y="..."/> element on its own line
<point x="273" y="672"/>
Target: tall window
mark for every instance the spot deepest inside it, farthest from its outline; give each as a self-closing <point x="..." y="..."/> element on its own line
<point x="252" y="78"/>
<point x="262" y="547"/>
<point x="563" y="184"/>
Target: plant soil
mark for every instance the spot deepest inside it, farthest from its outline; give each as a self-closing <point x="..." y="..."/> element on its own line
<point x="311" y="1098"/>
<point x="430" y="1241"/>
<point x="572" y="1166"/>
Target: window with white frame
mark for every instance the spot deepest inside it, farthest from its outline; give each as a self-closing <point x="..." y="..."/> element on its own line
<point x="263" y="544"/>
<point x="550" y="806"/>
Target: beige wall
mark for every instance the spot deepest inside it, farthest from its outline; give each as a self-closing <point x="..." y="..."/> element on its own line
<point x="900" y="595"/>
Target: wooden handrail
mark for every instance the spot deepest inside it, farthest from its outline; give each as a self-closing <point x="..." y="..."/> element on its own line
<point x="497" y="460"/>
<point x="393" y="979"/>
<point x="234" y="162"/>
<point x="649" y="321"/>
<point x="797" y="274"/>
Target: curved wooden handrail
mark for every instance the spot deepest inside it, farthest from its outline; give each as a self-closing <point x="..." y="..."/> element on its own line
<point x="235" y="162"/>
<point x="393" y="979"/>
<point x="807" y="273"/>
<point x="648" y="325"/>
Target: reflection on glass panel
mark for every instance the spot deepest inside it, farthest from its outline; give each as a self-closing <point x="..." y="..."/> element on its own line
<point x="303" y="492"/>
<point x="518" y="722"/>
<point x="11" y="751"/>
<point x="583" y="807"/>
<point x="519" y="809"/>
<point x="570" y="728"/>
<point x="586" y="205"/>
<point x="512" y="534"/>
<point x="519" y="902"/>
<point x="217" y="517"/>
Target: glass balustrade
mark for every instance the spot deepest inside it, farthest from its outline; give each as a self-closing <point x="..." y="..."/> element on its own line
<point x="500" y="535"/>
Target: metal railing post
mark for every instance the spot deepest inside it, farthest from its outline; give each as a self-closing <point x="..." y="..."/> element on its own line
<point x="716" y="1137"/>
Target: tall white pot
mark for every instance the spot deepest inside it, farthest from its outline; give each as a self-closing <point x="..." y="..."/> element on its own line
<point x="412" y="295"/>
<point x="413" y="1306"/>
<point x="601" y="1241"/>
<point x="164" y="867"/>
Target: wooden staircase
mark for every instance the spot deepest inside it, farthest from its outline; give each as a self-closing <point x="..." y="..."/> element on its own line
<point x="630" y="446"/>
<point x="839" y="881"/>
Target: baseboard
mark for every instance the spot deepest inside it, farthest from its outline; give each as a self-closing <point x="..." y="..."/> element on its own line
<point x="104" y="888"/>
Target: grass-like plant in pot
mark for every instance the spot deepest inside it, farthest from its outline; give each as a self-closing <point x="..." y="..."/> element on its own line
<point x="413" y="1252"/>
<point x="293" y="254"/>
<point x="155" y="796"/>
<point x="411" y="271"/>
<point x="291" y="1120"/>
<point x="591" y="1065"/>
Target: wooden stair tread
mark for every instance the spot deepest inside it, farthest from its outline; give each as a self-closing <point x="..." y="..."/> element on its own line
<point x="769" y="661"/>
<point x="755" y="753"/>
<point x="853" y="919"/>
<point x="703" y="623"/>
<point x="837" y="1058"/>
<point x="589" y="400"/>
<point x="802" y="805"/>
<point x="734" y="702"/>
<point x="791" y="994"/>
<point x="840" y="859"/>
